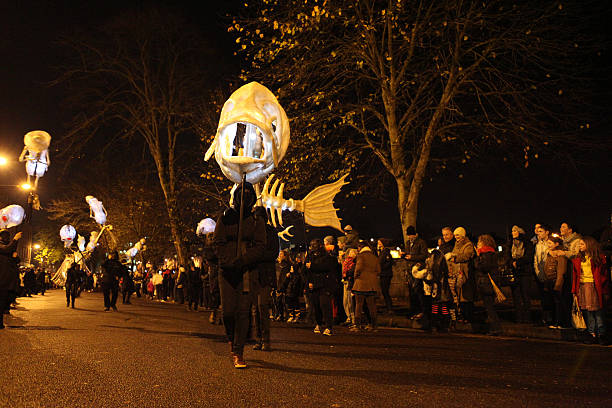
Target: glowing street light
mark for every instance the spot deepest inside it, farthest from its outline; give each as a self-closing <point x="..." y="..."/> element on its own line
<point x="3" y="161"/>
<point x="36" y="246"/>
<point x="26" y="186"/>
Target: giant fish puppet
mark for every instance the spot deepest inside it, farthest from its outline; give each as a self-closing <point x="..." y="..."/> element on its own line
<point x="251" y="139"/>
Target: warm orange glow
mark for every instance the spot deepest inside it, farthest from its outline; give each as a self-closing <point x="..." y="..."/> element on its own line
<point x="26" y="186"/>
<point x="36" y="246"/>
<point x="3" y="161"/>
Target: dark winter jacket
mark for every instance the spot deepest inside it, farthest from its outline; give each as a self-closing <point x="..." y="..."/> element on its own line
<point x="74" y="276"/>
<point x="447" y="247"/>
<point x="194" y="278"/>
<point x="283" y="267"/>
<point x="294" y="284"/>
<point x="112" y="270"/>
<point x="324" y="271"/>
<point x="386" y="263"/>
<point x="235" y="263"/>
<point x="484" y="265"/>
<point x="524" y="264"/>
<point x="417" y="250"/>
<point x="267" y="266"/>
<point x="8" y="270"/>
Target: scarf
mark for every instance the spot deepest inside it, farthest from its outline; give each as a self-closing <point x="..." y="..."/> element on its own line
<point x="484" y="249"/>
<point x="518" y="249"/>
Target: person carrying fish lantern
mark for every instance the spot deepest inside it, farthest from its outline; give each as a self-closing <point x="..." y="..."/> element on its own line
<point x="36" y="154"/>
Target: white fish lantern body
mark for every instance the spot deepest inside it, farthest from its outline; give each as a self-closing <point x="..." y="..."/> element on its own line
<point x="132" y="252"/>
<point x="96" y="209"/>
<point x="36" y="153"/>
<point x="11" y="216"/>
<point x="67" y="235"/>
<point x="93" y="241"/>
<point x="81" y="243"/>
<point x="205" y="226"/>
<point x="252" y="136"/>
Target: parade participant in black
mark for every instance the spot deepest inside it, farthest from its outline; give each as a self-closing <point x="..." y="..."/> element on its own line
<point x="127" y="286"/>
<point x="211" y="268"/>
<point x="239" y="241"/>
<point x="74" y="278"/>
<point x="194" y="285"/>
<point x="112" y="270"/>
<point x="266" y="282"/>
<point x="8" y="270"/>
<point x="322" y="277"/>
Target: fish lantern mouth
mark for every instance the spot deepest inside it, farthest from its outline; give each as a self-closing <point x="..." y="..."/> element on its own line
<point x="253" y="134"/>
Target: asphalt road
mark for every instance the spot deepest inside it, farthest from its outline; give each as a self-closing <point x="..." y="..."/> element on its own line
<point x="151" y="354"/>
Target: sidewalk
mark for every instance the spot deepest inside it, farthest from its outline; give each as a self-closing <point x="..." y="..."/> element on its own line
<point x="401" y="318"/>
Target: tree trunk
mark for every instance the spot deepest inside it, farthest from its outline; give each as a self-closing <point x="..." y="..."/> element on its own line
<point x="173" y="216"/>
<point x="407" y="203"/>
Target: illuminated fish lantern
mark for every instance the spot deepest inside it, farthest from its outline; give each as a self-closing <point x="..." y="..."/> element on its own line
<point x="206" y="226"/>
<point x="67" y="235"/>
<point x="96" y="209"/>
<point x="81" y="243"/>
<point x="252" y="138"/>
<point x="133" y="251"/>
<point x="11" y="216"/>
<point x="36" y="154"/>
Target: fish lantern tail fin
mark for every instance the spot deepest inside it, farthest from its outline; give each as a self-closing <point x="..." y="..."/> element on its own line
<point x="319" y="210"/>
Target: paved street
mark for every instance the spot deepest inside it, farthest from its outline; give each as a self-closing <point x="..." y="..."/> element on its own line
<point x="159" y="355"/>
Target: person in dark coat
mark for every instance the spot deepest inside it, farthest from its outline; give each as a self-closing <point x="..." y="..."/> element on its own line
<point x="416" y="253"/>
<point x="485" y="267"/>
<point x="211" y="268"/>
<point x="239" y="257"/>
<point x="112" y="270"/>
<point x="522" y="253"/>
<point x="283" y="268"/>
<point x="74" y="278"/>
<point x="29" y="282"/>
<point x="322" y="277"/>
<point x="8" y="270"/>
<point x="127" y="286"/>
<point x="194" y="284"/>
<point x="265" y="283"/>
<point x="386" y="271"/>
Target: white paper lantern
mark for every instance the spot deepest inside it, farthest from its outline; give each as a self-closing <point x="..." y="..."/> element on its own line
<point x="11" y="216"/>
<point x="67" y="234"/>
<point x="206" y="226"/>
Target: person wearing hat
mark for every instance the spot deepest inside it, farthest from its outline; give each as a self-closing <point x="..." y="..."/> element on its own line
<point x="352" y="237"/>
<point x="461" y="276"/>
<point x="416" y="253"/>
<point x="8" y="270"/>
<point x="238" y="260"/>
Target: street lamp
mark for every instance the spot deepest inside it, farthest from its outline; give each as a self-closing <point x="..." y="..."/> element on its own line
<point x="3" y="161"/>
<point x="36" y="246"/>
<point x="26" y="186"/>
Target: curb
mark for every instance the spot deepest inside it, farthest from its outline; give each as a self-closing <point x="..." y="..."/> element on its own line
<point x="507" y="329"/>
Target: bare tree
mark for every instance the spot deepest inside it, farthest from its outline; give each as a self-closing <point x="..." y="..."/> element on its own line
<point x="136" y="81"/>
<point x="418" y="85"/>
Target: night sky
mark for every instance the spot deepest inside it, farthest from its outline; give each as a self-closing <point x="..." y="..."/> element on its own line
<point x="485" y="199"/>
